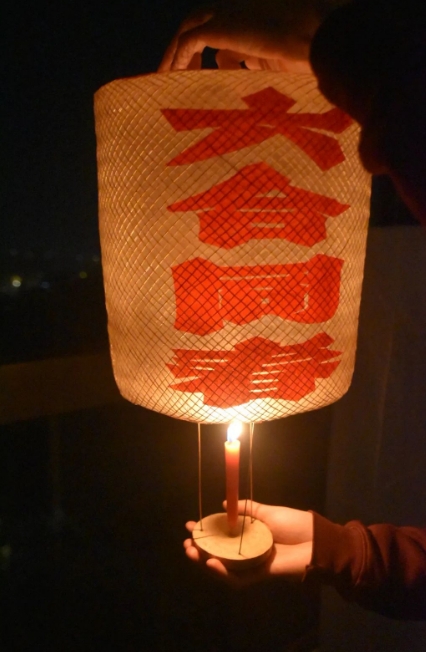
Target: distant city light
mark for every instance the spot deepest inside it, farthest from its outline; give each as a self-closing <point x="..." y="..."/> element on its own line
<point x="16" y="281"/>
<point x="96" y="258"/>
<point x="45" y="285"/>
<point x="83" y="274"/>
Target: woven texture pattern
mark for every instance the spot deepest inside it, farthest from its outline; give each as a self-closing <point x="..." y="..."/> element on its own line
<point x="233" y="221"/>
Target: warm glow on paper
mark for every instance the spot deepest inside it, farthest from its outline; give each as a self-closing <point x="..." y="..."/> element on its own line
<point x="233" y="220"/>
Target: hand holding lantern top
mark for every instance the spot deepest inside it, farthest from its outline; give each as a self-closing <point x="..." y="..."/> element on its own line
<point x="368" y="62"/>
<point x="292" y="531"/>
<point x="264" y="34"/>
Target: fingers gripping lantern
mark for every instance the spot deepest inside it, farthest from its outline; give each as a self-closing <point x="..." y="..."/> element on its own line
<point x="233" y="221"/>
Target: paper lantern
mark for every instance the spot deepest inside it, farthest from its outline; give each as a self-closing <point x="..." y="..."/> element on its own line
<point x="233" y="222"/>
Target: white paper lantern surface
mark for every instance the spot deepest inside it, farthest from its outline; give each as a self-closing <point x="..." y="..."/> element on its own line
<point x="233" y="220"/>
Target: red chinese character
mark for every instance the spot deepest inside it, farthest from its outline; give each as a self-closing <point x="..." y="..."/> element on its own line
<point x="267" y="115"/>
<point x="258" y="202"/>
<point x="256" y="368"/>
<point x="207" y="295"/>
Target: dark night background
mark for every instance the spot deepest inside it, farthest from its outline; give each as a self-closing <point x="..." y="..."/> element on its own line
<point x="94" y="491"/>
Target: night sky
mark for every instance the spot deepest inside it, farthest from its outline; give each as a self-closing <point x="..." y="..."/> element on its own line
<point x="57" y="55"/>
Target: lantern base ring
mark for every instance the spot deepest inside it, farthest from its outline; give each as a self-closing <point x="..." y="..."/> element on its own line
<point x="214" y="540"/>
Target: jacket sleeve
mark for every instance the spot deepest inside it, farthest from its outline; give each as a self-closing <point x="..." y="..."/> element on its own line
<point x="381" y="567"/>
<point x="369" y="58"/>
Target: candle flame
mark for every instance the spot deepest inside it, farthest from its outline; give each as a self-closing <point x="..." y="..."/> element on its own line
<point x="234" y="430"/>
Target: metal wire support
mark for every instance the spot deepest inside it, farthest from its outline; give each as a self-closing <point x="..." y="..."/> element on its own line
<point x="242" y="529"/>
<point x="200" y="506"/>
<point x="252" y="519"/>
<point x="251" y="470"/>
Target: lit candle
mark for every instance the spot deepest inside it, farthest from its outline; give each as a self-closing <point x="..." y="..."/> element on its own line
<point x="232" y="463"/>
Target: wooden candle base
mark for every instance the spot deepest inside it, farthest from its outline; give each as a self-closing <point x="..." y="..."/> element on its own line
<point x="214" y="540"/>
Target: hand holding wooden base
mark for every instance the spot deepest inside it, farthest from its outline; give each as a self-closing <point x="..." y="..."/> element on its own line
<point x="214" y="540"/>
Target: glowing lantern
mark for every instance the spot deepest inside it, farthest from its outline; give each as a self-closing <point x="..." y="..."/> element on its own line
<point x="233" y="220"/>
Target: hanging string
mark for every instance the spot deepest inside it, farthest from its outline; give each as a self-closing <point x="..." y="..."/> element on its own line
<point x="200" y="507"/>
